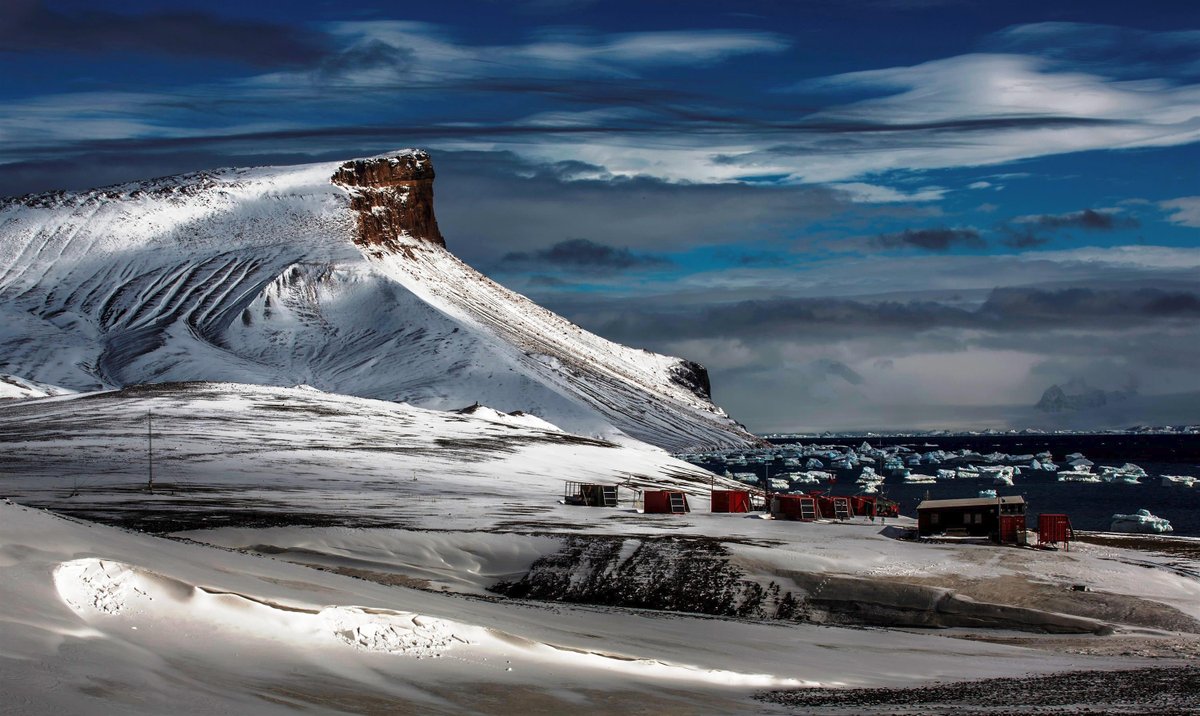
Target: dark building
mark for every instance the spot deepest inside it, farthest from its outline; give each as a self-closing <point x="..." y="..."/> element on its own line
<point x="972" y="517"/>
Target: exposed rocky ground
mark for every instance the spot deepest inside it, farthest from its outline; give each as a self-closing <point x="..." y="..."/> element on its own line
<point x="1165" y="691"/>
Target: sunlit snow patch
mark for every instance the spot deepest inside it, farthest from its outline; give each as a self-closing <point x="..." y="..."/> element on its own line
<point x="105" y="588"/>
<point x="394" y="632"/>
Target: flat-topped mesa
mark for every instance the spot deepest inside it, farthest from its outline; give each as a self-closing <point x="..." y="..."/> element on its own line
<point x="393" y="199"/>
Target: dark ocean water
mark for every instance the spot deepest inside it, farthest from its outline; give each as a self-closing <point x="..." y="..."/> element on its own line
<point x="1090" y="506"/>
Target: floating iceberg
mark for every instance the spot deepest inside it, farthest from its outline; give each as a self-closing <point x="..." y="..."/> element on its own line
<point x="1141" y="522"/>
<point x="1083" y="475"/>
<point x="1179" y="481"/>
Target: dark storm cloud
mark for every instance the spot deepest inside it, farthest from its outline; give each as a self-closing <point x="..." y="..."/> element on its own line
<point x="27" y="25"/>
<point x="369" y="55"/>
<point x="737" y="257"/>
<point x="585" y="255"/>
<point x="1087" y="219"/>
<point x="933" y="239"/>
<point x="1086" y="306"/>
<point x="1006" y="311"/>
<point x="840" y="370"/>
<point x="1022" y="237"/>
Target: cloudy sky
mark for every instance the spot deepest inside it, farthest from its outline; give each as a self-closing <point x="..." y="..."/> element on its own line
<point x="857" y="213"/>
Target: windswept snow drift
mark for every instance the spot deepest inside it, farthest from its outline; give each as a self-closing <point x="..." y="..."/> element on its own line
<point x="276" y="276"/>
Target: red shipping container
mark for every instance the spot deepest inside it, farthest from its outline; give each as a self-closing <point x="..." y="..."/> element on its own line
<point x="730" y="501"/>
<point x="1012" y="529"/>
<point x="1053" y="529"/>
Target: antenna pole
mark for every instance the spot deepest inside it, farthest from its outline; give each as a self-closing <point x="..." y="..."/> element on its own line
<point x="149" y="453"/>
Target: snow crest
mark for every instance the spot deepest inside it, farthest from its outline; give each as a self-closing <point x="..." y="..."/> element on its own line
<point x="392" y="632"/>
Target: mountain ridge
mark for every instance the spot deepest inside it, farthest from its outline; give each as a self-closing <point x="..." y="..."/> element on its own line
<point x="330" y="274"/>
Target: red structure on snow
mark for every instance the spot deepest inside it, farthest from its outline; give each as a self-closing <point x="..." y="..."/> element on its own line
<point x="1012" y="529"/>
<point x="664" y="502"/>
<point x="794" y="507"/>
<point x="1054" y="529"/>
<point x="730" y="501"/>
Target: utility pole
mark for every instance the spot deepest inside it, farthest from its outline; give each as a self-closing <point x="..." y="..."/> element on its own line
<point x="149" y="453"/>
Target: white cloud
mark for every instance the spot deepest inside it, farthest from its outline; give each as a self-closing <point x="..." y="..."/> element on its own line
<point x="970" y="110"/>
<point x="1184" y="211"/>
<point x="877" y="194"/>
<point x="1123" y="257"/>
<point x="432" y="53"/>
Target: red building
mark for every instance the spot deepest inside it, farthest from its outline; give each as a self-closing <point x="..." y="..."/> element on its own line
<point x="730" y="501"/>
<point x="972" y="517"/>
<point x="794" y="507"/>
<point x="664" y="502"/>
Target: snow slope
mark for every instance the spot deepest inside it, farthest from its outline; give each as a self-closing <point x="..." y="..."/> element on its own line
<point x="256" y="454"/>
<point x="98" y="620"/>
<point x="266" y="276"/>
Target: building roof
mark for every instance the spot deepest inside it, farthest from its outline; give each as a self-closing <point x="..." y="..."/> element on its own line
<point x="970" y="502"/>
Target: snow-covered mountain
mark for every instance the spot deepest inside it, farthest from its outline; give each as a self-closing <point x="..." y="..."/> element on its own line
<point x="331" y="275"/>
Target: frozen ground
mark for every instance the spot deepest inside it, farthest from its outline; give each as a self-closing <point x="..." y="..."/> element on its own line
<point x="340" y="554"/>
<point x="94" y="619"/>
<point x="228" y="453"/>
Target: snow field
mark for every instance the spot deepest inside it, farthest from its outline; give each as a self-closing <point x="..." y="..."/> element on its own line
<point x="178" y="626"/>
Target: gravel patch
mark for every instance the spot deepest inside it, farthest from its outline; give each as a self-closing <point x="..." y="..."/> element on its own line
<point x="1165" y="691"/>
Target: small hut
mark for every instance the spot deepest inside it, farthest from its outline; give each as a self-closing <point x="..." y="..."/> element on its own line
<point x="730" y="500"/>
<point x="589" y="495"/>
<point x="664" y="502"/>
<point x="971" y="517"/>
<point x="794" y="507"/>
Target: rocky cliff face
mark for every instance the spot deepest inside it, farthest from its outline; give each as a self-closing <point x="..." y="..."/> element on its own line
<point x="393" y="198"/>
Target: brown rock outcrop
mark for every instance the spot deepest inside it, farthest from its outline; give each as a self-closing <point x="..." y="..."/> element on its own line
<point x="393" y="198"/>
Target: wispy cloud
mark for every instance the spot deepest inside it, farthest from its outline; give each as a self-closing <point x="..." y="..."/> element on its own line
<point x="1184" y="211"/>
<point x="436" y="55"/>
<point x="570" y="95"/>
<point x="1108" y="49"/>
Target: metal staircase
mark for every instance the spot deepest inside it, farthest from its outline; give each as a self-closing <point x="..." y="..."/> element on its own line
<point x="678" y="503"/>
